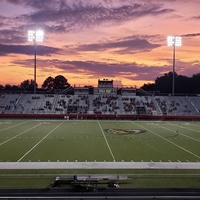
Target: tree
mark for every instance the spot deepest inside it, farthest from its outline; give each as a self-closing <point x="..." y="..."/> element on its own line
<point x="60" y="82"/>
<point x="28" y="85"/>
<point x="195" y="83"/>
<point x="183" y="84"/>
<point x="1" y="87"/>
<point x="149" y="87"/>
<point x="164" y="83"/>
<point x="48" y="83"/>
<point x="7" y="87"/>
<point x="15" y="87"/>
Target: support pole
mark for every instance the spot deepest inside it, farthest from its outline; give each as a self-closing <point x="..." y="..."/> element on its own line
<point x="174" y="58"/>
<point x="35" y="48"/>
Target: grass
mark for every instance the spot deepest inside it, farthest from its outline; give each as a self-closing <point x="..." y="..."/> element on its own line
<point x="137" y="178"/>
<point x="57" y="140"/>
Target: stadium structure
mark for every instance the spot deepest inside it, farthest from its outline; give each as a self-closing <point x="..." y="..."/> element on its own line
<point x="102" y="102"/>
<point x="95" y="103"/>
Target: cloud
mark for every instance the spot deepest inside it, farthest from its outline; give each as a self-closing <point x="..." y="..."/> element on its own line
<point x="8" y="36"/>
<point x="82" y="14"/>
<point x="123" y="46"/>
<point x="196" y="17"/>
<point x="27" y="50"/>
<point x="37" y="4"/>
<point x="131" y="71"/>
<point x="191" y="35"/>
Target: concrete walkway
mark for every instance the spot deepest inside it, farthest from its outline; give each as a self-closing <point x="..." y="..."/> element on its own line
<point x="99" y="165"/>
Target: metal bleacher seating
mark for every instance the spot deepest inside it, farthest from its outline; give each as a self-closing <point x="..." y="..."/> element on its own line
<point x="106" y="104"/>
<point x="99" y="104"/>
<point x="8" y="102"/>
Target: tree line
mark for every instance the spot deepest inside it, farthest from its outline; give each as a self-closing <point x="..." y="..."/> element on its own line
<point x="50" y="83"/>
<point x="183" y="84"/>
<point x="163" y="84"/>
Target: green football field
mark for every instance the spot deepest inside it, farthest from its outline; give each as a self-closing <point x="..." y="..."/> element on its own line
<point x="97" y="141"/>
<point x="38" y="141"/>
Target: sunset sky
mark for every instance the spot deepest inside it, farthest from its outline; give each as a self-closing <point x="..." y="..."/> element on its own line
<point x="122" y="40"/>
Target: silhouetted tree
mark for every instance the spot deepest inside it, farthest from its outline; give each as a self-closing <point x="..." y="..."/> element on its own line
<point x="1" y="87"/>
<point x="183" y="84"/>
<point x="60" y="82"/>
<point x="164" y="83"/>
<point x="27" y="85"/>
<point x="48" y="83"/>
<point x="8" y="87"/>
<point x="149" y="87"/>
<point x="196" y="83"/>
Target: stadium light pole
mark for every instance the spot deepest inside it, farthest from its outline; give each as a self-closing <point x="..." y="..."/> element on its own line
<point x="175" y="41"/>
<point x="35" y="36"/>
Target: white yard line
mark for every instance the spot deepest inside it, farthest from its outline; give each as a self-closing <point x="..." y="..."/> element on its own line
<point x="106" y="142"/>
<point x="168" y="140"/>
<point x="184" y="127"/>
<point x="14" y="126"/>
<point x="180" y="134"/>
<point x="40" y="141"/>
<point x="20" y="134"/>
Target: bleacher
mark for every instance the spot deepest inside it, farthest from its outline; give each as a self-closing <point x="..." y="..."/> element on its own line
<point x="195" y="102"/>
<point x="176" y="105"/>
<point x="8" y="102"/>
<point x="99" y="104"/>
<point x="106" y="104"/>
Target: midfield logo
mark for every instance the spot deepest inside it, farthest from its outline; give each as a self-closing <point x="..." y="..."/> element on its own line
<point x="124" y="131"/>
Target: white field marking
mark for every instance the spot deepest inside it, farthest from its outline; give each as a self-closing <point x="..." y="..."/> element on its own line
<point x="20" y="134"/>
<point x="184" y="127"/>
<point x="151" y="147"/>
<point x="14" y="126"/>
<point x="40" y="141"/>
<point x="180" y="134"/>
<point x="169" y="141"/>
<point x="106" y="142"/>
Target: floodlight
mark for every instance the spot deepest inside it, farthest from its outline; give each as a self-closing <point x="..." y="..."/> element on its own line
<point x="174" y="40"/>
<point x="35" y="36"/>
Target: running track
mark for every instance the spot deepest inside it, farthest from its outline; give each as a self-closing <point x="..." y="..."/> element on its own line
<point x="99" y="165"/>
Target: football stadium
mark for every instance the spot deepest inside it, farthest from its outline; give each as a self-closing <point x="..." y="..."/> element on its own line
<point x="107" y="137"/>
<point x="100" y="99"/>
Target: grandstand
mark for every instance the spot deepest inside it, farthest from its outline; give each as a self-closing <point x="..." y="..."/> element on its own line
<point x="104" y="100"/>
